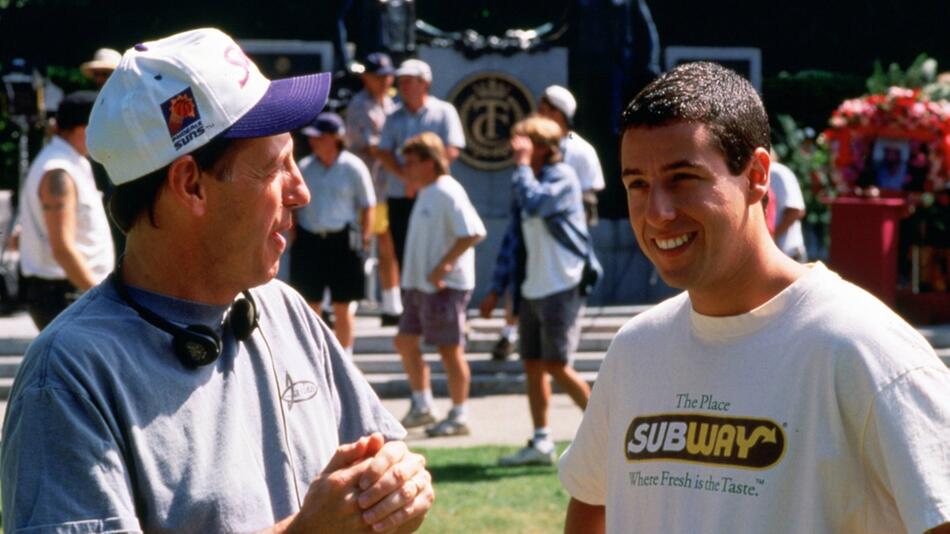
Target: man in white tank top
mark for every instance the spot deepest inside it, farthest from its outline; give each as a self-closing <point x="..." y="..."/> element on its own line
<point x="66" y="242"/>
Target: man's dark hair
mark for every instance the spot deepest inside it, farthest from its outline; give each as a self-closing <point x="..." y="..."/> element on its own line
<point x="74" y="110"/>
<point x="709" y="94"/>
<point x="131" y="199"/>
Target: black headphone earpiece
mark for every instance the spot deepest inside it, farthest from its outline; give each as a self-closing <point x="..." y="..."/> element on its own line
<point x="197" y="345"/>
<point x="243" y="317"/>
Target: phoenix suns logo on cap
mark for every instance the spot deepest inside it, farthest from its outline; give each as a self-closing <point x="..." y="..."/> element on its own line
<point x="182" y="117"/>
<point x="707" y="439"/>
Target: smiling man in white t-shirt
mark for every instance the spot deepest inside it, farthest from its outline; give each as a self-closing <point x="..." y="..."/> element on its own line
<point x="770" y="396"/>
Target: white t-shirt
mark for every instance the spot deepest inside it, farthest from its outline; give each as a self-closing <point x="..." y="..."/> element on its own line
<point x="787" y="194"/>
<point x="582" y="157"/>
<point x="440" y="216"/>
<point x="820" y="411"/>
<point x="92" y="238"/>
<point x="551" y="268"/>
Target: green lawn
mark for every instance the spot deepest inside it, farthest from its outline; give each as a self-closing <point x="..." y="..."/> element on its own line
<point x="474" y="495"/>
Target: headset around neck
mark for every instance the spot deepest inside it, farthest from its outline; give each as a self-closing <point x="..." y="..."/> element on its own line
<point x="196" y="345"/>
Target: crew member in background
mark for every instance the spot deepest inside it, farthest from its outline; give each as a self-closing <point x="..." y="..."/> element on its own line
<point x="334" y="230"/>
<point x="438" y="277"/>
<point x="548" y="197"/>
<point x="789" y="211"/>
<point x="417" y="112"/>
<point x="100" y="67"/>
<point x="65" y="244"/>
<point x="103" y="63"/>
<point x="559" y="105"/>
<point x="365" y="117"/>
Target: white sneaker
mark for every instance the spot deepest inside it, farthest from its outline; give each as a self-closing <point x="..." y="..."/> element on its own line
<point x="418" y="417"/>
<point x="529" y="455"/>
<point x="448" y="427"/>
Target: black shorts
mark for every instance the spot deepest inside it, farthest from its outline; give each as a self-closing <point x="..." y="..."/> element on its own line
<point x="318" y="261"/>
<point x="399" y="211"/>
<point x="45" y="299"/>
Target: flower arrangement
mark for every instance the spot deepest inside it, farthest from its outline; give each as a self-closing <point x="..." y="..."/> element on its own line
<point x="900" y="113"/>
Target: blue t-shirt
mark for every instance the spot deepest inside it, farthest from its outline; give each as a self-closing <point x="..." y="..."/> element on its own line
<point x="337" y="193"/>
<point x="107" y="431"/>
<point x="436" y="116"/>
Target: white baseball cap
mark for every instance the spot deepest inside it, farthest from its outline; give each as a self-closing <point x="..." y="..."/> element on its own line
<point x="415" y="67"/>
<point x="562" y="100"/>
<point x="169" y="97"/>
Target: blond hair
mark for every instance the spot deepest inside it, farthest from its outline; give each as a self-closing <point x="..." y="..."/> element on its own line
<point x="542" y="131"/>
<point x="428" y="147"/>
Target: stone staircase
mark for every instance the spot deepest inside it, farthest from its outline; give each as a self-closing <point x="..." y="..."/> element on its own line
<point x="375" y="356"/>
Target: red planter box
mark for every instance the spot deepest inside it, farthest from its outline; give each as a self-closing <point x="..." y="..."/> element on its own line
<point x="864" y="243"/>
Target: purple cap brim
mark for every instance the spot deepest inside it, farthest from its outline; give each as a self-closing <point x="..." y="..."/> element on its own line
<point x="288" y="105"/>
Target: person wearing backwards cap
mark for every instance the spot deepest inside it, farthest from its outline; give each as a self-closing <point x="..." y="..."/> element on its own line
<point x="66" y="247"/>
<point x="191" y="392"/>
<point x="336" y="224"/>
<point x="418" y="112"/>
<point x="559" y="105"/>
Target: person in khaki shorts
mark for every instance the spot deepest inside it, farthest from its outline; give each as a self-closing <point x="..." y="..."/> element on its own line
<point x="438" y="277"/>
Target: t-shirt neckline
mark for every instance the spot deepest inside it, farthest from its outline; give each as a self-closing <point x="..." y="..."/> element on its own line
<point x="713" y="329"/>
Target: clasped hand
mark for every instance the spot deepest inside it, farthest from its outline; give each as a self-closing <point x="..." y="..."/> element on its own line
<point x="368" y="486"/>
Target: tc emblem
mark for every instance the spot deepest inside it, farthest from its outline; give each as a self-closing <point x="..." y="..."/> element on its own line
<point x="489" y="104"/>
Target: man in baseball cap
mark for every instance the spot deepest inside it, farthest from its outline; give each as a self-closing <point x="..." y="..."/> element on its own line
<point x="559" y="105"/>
<point x="190" y="392"/>
<point x="417" y="112"/>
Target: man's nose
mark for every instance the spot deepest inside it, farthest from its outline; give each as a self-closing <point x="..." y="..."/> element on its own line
<point x="661" y="207"/>
<point x="296" y="193"/>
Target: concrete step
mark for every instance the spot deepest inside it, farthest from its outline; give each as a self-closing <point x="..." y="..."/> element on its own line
<point x="380" y="341"/>
<point x="392" y="386"/>
<point x="9" y="365"/>
<point x="588" y="324"/>
<point x="480" y="363"/>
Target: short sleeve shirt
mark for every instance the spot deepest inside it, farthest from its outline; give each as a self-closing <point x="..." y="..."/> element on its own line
<point x="582" y="157"/>
<point x="441" y="215"/>
<point x="337" y="193"/>
<point x="107" y="431"/>
<point x="437" y="116"/>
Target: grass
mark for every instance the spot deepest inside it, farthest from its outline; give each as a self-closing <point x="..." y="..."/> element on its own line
<point x="474" y="495"/>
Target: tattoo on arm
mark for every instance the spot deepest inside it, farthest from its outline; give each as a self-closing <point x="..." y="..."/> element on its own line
<point x="56" y="185"/>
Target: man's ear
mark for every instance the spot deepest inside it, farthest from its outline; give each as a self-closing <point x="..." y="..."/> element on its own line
<point x="758" y="175"/>
<point x="184" y="185"/>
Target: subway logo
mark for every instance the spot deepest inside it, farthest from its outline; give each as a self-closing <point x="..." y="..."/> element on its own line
<point x="707" y="439"/>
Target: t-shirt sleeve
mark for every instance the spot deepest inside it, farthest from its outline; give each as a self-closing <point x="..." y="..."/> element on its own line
<point x="388" y="138"/>
<point x="454" y="134"/>
<point x="595" y="174"/>
<point x="363" y="184"/>
<point x="787" y="189"/>
<point x="906" y="442"/>
<point x="61" y="469"/>
<point x="582" y="468"/>
<point x="464" y="219"/>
